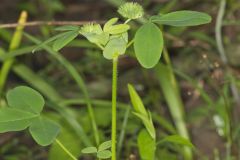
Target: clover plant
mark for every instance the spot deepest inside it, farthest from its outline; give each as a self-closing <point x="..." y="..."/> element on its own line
<point x="101" y="152"/>
<point x="25" y="104"/>
<point x="24" y="111"/>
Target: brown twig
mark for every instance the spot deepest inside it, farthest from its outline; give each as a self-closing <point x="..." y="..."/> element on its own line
<point x="49" y="23"/>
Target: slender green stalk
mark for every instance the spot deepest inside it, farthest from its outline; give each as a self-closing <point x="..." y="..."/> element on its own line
<point x="114" y="107"/>
<point x="15" y="42"/>
<point x="218" y="29"/>
<point x="66" y="150"/>
<point x="221" y="50"/>
<point x="233" y="87"/>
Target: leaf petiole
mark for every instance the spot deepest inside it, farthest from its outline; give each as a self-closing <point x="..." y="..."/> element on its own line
<point x="65" y="149"/>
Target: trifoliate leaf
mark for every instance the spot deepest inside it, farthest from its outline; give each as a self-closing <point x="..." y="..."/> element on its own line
<point x="116" y="46"/>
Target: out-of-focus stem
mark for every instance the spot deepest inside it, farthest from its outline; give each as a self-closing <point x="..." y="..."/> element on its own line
<point x="15" y="42"/>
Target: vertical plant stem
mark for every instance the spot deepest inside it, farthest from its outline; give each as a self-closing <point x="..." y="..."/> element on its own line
<point x="15" y="42"/>
<point x="221" y="50"/>
<point x="114" y="106"/>
<point x="233" y="87"/>
<point x="66" y="150"/>
<point x="218" y="30"/>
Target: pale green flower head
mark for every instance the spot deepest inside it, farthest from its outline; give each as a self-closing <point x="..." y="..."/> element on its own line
<point x="91" y="28"/>
<point x="131" y="10"/>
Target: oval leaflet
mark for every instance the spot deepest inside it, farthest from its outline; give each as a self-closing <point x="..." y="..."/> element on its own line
<point x="182" y="18"/>
<point x="148" y="45"/>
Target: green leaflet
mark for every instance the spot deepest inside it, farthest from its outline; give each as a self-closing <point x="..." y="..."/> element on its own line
<point x="89" y="150"/>
<point x="117" y="29"/>
<point x="105" y="145"/>
<point x="110" y="28"/>
<point x="44" y="131"/>
<point x="116" y="46"/>
<point x="146" y="145"/>
<point x="104" y="154"/>
<point x="148" y="45"/>
<point x="12" y="119"/>
<point x="65" y="39"/>
<point x="26" y="99"/>
<point x="109" y="23"/>
<point x="182" y="18"/>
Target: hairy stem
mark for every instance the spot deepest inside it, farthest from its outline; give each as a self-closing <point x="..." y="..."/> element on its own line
<point x="114" y="107"/>
<point x="65" y="150"/>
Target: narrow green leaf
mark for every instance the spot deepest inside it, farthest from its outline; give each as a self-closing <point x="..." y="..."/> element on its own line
<point x="64" y="40"/>
<point x="146" y="145"/>
<point x="12" y="119"/>
<point x="176" y="139"/>
<point x="89" y="150"/>
<point x="182" y="18"/>
<point x="25" y="98"/>
<point x="67" y="28"/>
<point x="148" y="45"/>
<point x="41" y="45"/>
<point x="44" y="131"/>
<point x="105" y="145"/>
<point x="104" y="154"/>
<point x="136" y="101"/>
